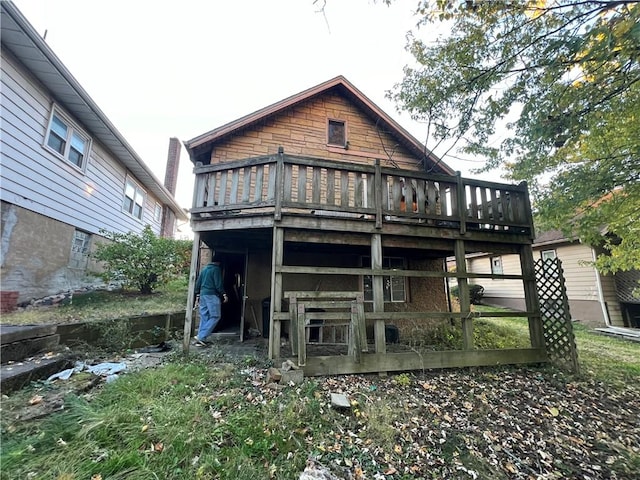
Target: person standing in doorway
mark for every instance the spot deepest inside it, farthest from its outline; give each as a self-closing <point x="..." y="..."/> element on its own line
<point x="210" y="295"/>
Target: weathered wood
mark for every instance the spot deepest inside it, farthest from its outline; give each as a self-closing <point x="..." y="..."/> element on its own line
<point x="527" y="266"/>
<point x="460" y="201"/>
<point x="316" y="185"/>
<point x="193" y="271"/>
<point x="344" y="188"/>
<point x="235" y="180"/>
<point x="303" y="294"/>
<point x="222" y="192"/>
<point x="246" y="185"/>
<point x="257" y="193"/>
<point x="378" y="196"/>
<point x="302" y="184"/>
<point x="331" y="186"/>
<point x="378" y="293"/>
<point x="277" y="257"/>
<point x="359" y="194"/>
<point x="464" y="297"/>
<point x="245" y="162"/>
<point x="287" y="192"/>
<point x="400" y="362"/>
<point x="293" y="319"/>
<point x="211" y="189"/>
<point x="278" y="181"/>
<point x="302" y="336"/>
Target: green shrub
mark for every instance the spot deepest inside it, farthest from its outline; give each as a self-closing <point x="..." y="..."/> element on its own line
<point x="142" y="261"/>
<point x="476" y="292"/>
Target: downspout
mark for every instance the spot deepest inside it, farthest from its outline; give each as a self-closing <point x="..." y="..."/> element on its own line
<point x="605" y="312"/>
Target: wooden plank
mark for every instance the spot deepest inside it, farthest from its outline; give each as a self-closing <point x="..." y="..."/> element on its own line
<point x="302" y="184"/>
<point x="278" y="185"/>
<point x="358" y="198"/>
<point x="400" y="362"/>
<point x="378" y="195"/>
<point x="344" y="188"/>
<point x="293" y="319"/>
<point x="421" y="197"/>
<point x="277" y="256"/>
<point x="222" y="192"/>
<point x="495" y="214"/>
<point x="287" y="187"/>
<point x="212" y="189"/>
<point x="331" y="187"/>
<point x="245" y="162"/>
<point x="464" y="297"/>
<point x="396" y="194"/>
<point x="271" y="183"/>
<point x="302" y="336"/>
<point x="531" y="301"/>
<point x="484" y="203"/>
<point x="303" y="294"/>
<point x="431" y="199"/>
<point x="362" y="325"/>
<point x="370" y="201"/>
<point x="257" y="192"/>
<point x="246" y="185"/>
<point x="378" y="293"/>
<point x="316" y="184"/>
<point x="193" y="271"/>
<point x="199" y="191"/>
<point x="235" y="180"/>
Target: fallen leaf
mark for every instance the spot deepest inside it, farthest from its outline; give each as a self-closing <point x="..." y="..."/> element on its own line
<point x="35" y="400"/>
<point x="553" y="411"/>
<point x="145" y="428"/>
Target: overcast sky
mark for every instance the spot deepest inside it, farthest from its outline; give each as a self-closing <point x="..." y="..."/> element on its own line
<point x="163" y="68"/>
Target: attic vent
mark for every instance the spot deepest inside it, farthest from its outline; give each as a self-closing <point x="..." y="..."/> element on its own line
<point x="337" y="133"/>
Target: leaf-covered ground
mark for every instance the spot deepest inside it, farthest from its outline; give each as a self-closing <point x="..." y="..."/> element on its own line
<point x="214" y="416"/>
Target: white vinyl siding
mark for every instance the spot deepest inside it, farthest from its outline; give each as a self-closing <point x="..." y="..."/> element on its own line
<point x="580" y="277"/>
<point x="497" y="288"/>
<point x="35" y="179"/>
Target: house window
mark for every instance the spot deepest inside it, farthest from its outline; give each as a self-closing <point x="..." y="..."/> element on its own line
<point x="67" y="141"/>
<point x="337" y="133"/>
<point x="394" y="288"/>
<point x="157" y="212"/>
<point x="548" y="255"/>
<point x="80" y="250"/>
<point x="496" y="265"/>
<point x="133" y="199"/>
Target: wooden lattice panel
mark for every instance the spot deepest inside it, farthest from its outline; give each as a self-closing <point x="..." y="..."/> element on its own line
<point x="554" y="310"/>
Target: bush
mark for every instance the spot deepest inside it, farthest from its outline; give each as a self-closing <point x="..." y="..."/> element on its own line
<point x="476" y="293"/>
<point x="142" y="261"/>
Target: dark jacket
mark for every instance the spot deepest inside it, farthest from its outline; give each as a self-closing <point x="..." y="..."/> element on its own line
<point x="210" y="281"/>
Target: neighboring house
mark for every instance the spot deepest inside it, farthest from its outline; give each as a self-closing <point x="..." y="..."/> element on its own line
<point x="595" y="299"/>
<point x="66" y="171"/>
<point x="323" y="193"/>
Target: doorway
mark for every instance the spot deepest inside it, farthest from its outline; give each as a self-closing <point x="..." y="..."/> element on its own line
<point x="233" y="277"/>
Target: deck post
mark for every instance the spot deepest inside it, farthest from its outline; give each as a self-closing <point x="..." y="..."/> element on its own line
<point x="462" y="203"/>
<point x="276" y="292"/>
<point x="464" y="297"/>
<point x="277" y="213"/>
<point x="193" y="273"/>
<point x="378" y="292"/>
<point x="377" y="193"/>
<point x="531" y="296"/>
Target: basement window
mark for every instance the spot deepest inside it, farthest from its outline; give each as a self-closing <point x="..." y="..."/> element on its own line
<point x="337" y="133"/>
<point x="67" y="141"/>
<point x="394" y="288"/>
<point x="80" y="245"/>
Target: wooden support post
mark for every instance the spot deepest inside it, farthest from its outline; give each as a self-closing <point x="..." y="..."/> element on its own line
<point x="293" y="324"/>
<point x="377" y="196"/>
<point x="276" y="292"/>
<point x="465" y="299"/>
<point x="302" y="335"/>
<point x="193" y="273"/>
<point x="362" y="326"/>
<point x="527" y="265"/>
<point x="355" y="342"/>
<point x="378" y="292"/>
<point x="277" y="212"/>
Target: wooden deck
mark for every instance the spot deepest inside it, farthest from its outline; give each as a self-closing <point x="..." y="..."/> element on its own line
<point x="258" y="192"/>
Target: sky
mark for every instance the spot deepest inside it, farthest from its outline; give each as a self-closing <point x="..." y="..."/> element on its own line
<point x="161" y="69"/>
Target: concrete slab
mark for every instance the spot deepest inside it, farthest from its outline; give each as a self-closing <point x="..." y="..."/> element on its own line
<point x="14" y="376"/>
<point x="15" y="351"/>
<point x="17" y="333"/>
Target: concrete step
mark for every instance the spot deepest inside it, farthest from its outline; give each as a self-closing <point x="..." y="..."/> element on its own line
<point x="22" y="341"/>
<point x="16" y="375"/>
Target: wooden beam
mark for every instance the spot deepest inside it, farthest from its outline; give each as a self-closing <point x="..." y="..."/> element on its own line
<point x="193" y="272"/>
<point x="399" y="362"/>
<point x="464" y="297"/>
<point x="378" y="293"/>
<point x="277" y="256"/>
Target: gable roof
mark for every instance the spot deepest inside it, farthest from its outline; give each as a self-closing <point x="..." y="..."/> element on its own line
<point x="24" y="42"/>
<point x="201" y="145"/>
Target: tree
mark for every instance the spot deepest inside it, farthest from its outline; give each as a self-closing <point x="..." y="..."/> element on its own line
<point x="142" y="261"/>
<point x="562" y="79"/>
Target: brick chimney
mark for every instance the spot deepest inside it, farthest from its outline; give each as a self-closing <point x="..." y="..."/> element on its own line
<point x="170" y="182"/>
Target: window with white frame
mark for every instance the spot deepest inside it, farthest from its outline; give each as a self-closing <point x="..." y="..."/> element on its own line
<point x="496" y="265"/>
<point x="67" y="141"/>
<point x="80" y="245"/>
<point x="548" y="255"/>
<point x="133" y="199"/>
<point x="394" y="288"/>
<point x="157" y="212"/>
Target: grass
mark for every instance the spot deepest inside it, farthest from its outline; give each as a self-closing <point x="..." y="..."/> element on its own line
<point x="104" y="305"/>
<point x="204" y="418"/>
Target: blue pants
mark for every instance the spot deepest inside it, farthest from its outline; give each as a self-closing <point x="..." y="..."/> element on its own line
<point x="210" y="311"/>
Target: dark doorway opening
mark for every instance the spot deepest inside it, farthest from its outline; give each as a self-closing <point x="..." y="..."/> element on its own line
<point x="233" y="273"/>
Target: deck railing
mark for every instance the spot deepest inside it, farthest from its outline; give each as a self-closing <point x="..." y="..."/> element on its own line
<point x="302" y="185"/>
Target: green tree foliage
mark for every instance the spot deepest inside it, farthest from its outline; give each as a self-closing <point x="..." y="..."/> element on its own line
<point x="562" y="78"/>
<point x="142" y="261"/>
